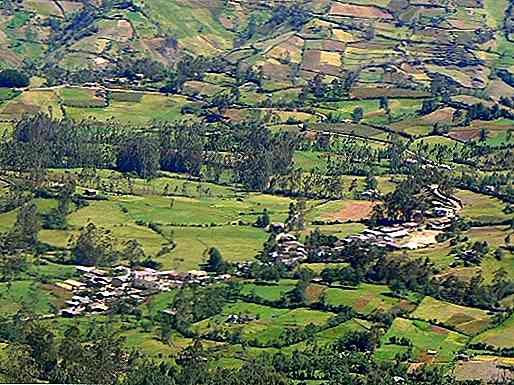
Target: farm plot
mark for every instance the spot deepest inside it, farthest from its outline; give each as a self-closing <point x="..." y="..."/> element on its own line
<point x="495" y="237"/>
<point x="347" y="210"/>
<point x="366" y="298"/>
<point x="362" y="11"/>
<point x="467" y="320"/>
<point x="501" y="336"/>
<point x="485" y="369"/>
<point x="270" y="292"/>
<point x="268" y="324"/>
<point x="82" y="97"/>
<point x="236" y="243"/>
<point x="149" y="107"/>
<point x="352" y="129"/>
<point x="25" y="293"/>
<point x="178" y="211"/>
<point x="482" y="208"/>
<point x="31" y="102"/>
<point x="424" y="338"/>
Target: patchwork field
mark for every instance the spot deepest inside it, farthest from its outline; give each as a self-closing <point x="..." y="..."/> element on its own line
<point x="442" y="343"/>
<point x="366" y="298"/>
<point x="502" y="336"/>
<point x="467" y="320"/>
<point x="481" y="208"/>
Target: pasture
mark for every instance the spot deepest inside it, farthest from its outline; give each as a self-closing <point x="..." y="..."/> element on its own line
<point x="482" y="208"/>
<point x="365" y="298"/>
<point x="267" y="325"/>
<point x="424" y="337"/>
<point x="467" y="320"/>
<point x="502" y="336"/>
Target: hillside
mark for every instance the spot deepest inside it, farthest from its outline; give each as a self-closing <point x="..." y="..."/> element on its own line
<point x="266" y="192"/>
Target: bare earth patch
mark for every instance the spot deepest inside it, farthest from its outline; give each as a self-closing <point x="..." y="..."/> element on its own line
<point x="353" y="212"/>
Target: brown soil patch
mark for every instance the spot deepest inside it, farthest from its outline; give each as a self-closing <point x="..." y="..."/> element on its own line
<point x="464" y="134"/>
<point x="314" y="293"/>
<point x="333" y="45"/>
<point x="20" y="108"/>
<point x="71" y="6"/>
<point x="362" y="302"/>
<point x="407" y="305"/>
<point x="59" y="293"/>
<point x="439" y="330"/>
<point x="311" y="59"/>
<point x="487" y="371"/>
<point x="226" y="22"/>
<point x="368" y="12"/>
<point x="353" y="212"/>
<point x="425" y="358"/>
<point x="444" y="115"/>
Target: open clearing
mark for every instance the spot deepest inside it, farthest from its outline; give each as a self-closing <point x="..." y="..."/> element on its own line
<point x="467" y="320"/>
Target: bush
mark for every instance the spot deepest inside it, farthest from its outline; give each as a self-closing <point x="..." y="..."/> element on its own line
<point x="13" y="78"/>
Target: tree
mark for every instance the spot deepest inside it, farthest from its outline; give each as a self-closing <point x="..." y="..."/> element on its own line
<point x="371" y="183"/>
<point x="215" y="262"/>
<point x="12" y="78"/>
<point x="263" y="220"/>
<point x="94" y="246"/>
<point x="357" y="114"/>
<point x="133" y="252"/>
<point x="428" y="106"/>
<point x="139" y="154"/>
<point x="483" y="135"/>
<point x="384" y="103"/>
<point x="18" y="365"/>
<point x="26" y="229"/>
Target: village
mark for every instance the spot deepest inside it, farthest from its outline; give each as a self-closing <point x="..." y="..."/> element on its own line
<point x="97" y="290"/>
<point x="420" y="232"/>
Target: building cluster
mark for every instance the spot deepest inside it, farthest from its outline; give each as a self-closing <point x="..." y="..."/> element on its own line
<point x="439" y="216"/>
<point x="289" y="250"/>
<point x="97" y="291"/>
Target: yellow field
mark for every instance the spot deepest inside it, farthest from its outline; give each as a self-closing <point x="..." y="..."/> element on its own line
<point x="346" y="37"/>
<point x="332" y="58"/>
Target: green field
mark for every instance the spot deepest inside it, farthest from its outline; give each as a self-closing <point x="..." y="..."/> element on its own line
<point x="481" y="208"/>
<point x="151" y="106"/>
<point x="467" y="320"/>
<point x="424" y="337"/>
<point x="365" y="299"/>
<point x="269" y="324"/>
<point x="502" y="336"/>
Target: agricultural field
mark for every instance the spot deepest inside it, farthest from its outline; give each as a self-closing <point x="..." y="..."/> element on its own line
<point x="424" y="338"/>
<point x="251" y="189"/>
<point x="467" y="320"/>
<point x="480" y="208"/>
<point x="500" y="337"/>
<point x="366" y="298"/>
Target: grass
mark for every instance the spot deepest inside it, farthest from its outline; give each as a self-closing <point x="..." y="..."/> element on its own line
<point x="364" y="299"/>
<point x="270" y="292"/>
<point x="482" y="208"/>
<point x="309" y="160"/>
<point x="27" y="294"/>
<point x="495" y="237"/>
<point x="150" y="107"/>
<point x="80" y="97"/>
<point x="501" y="336"/>
<point x="424" y="337"/>
<point x="467" y="320"/>
<point x="234" y="242"/>
<point x="194" y="27"/>
<point x="269" y="324"/>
